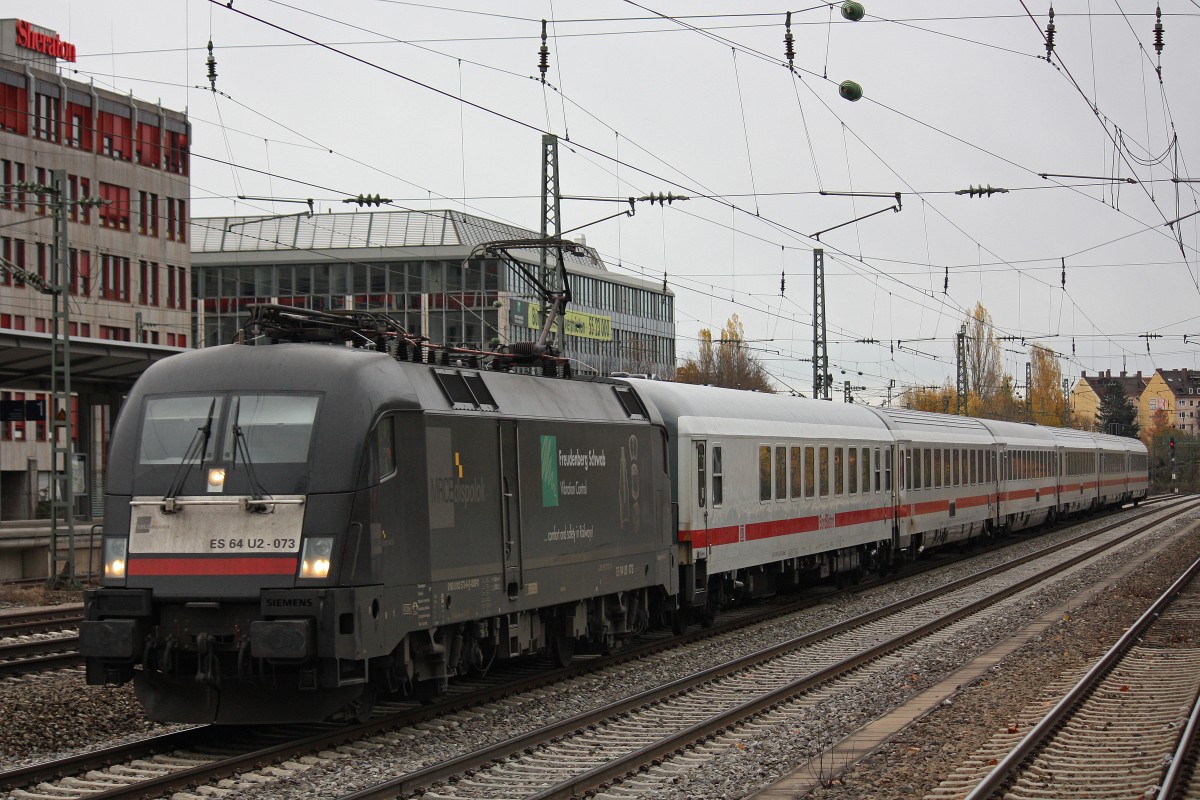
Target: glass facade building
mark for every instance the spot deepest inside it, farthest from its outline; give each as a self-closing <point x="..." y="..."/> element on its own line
<point x="427" y="270"/>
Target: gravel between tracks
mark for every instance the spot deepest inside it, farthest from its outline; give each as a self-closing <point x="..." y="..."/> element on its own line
<point x="916" y="761"/>
<point x="51" y="715"/>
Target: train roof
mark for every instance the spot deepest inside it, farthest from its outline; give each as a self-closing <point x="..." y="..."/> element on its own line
<point x="920" y="425"/>
<point x="1126" y="443"/>
<point x="687" y="408"/>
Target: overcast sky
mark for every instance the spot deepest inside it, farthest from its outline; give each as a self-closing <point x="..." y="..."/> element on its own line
<point x="695" y="98"/>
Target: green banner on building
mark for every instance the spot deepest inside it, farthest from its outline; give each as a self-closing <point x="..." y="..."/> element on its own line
<point x="585" y="326"/>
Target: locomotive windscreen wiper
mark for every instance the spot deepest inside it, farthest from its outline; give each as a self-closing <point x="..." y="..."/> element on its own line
<point x="240" y="445"/>
<point x="196" y="450"/>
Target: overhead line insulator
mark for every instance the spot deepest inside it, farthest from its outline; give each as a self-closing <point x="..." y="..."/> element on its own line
<point x="1050" y="35"/>
<point x="980" y="191"/>
<point x="212" y="67"/>
<point x="789" y="42"/>
<point x="543" y="54"/>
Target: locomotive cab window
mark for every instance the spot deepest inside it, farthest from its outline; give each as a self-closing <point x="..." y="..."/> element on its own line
<point x="383" y="449"/>
<point x="172" y="426"/>
<point x="269" y="429"/>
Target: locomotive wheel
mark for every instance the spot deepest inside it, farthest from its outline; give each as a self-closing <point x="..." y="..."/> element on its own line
<point x="562" y="650"/>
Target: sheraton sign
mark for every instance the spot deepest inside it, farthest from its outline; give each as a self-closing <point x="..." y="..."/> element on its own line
<point x="51" y="45"/>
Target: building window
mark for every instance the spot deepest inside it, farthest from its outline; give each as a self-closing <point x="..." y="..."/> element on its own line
<point x="149" y="150"/>
<point x="148" y="213"/>
<point x="41" y="179"/>
<point x="148" y="283"/>
<point x="14" y="173"/>
<point x="46" y="117"/>
<point x="114" y="213"/>
<point x="13" y="251"/>
<point x="81" y="272"/>
<point x="115" y="131"/>
<point x="13" y="97"/>
<point x="176" y="287"/>
<point x="114" y="281"/>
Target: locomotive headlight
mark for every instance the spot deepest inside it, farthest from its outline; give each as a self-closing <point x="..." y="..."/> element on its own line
<point x="114" y="558"/>
<point x="314" y="558"/>
<point x="216" y="479"/>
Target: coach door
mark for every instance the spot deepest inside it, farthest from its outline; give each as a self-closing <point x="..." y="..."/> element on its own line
<point x="510" y="499"/>
<point x="902" y="522"/>
<point x="699" y="513"/>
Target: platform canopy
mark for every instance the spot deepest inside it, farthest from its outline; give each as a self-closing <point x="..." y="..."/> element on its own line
<point x="97" y="365"/>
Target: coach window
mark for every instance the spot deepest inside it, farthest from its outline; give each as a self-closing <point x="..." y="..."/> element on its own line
<point x="780" y="472"/>
<point x="877" y="468"/>
<point x="906" y="468"/>
<point x="937" y="468"/>
<point x="956" y="472"/>
<point x="824" y="471"/>
<point x="887" y="469"/>
<point x="764" y="472"/>
<point x="796" y="485"/>
<point x="928" y="461"/>
<point x="852" y="465"/>
<point x="866" y="470"/>
<point x="718" y="477"/>
<point x="810" y="471"/>
<point x="839" y="471"/>
<point x="701" y="475"/>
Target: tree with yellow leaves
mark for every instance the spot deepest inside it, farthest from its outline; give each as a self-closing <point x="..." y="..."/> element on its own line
<point x="727" y="362"/>
<point x="1045" y="389"/>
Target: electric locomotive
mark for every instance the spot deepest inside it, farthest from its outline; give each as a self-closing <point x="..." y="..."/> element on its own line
<point x="293" y="528"/>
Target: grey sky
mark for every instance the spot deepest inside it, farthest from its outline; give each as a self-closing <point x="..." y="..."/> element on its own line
<point x="955" y="95"/>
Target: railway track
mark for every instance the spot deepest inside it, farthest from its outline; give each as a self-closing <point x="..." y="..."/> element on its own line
<point x="1121" y="730"/>
<point x="633" y="737"/>
<point x="192" y="757"/>
<point x="37" y="639"/>
<point x="22" y="621"/>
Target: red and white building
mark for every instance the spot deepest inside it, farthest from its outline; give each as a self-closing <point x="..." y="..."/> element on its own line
<point x="129" y="258"/>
